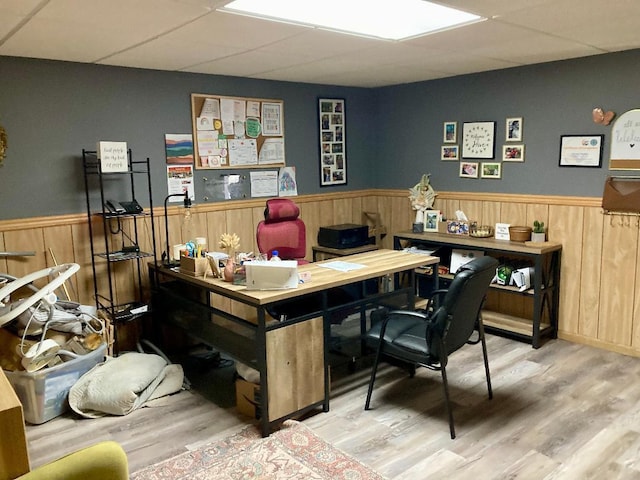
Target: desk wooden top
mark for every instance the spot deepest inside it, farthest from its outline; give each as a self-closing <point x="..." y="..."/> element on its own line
<point x="482" y="243"/>
<point x="377" y="263"/>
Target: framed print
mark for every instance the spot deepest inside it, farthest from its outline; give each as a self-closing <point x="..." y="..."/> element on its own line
<point x="469" y="169"/>
<point x="513" y="153"/>
<point x="478" y="139"/>
<point x="450" y="132"/>
<point x="581" y="150"/>
<point x="333" y="156"/>
<point x="449" y="152"/>
<point x="513" y="128"/>
<point x="491" y="170"/>
<point x="431" y="219"/>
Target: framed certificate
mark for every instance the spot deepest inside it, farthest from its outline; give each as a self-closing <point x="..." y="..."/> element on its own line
<point x="478" y="139"/>
<point x="581" y="150"/>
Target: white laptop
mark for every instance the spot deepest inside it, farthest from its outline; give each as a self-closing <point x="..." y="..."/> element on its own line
<point x="267" y="275"/>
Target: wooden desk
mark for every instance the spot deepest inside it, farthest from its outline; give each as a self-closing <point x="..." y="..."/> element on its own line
<point x="328" y="252"/>
<point x="290" y="355"/>
<point x="14" y="457"/>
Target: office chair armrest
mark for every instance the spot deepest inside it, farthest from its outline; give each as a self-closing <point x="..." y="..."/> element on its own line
<point x="435" y="294"/>
<point x="412" y="313"/>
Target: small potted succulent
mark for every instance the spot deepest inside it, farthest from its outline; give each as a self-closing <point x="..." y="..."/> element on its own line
<point x="538" y="233"/>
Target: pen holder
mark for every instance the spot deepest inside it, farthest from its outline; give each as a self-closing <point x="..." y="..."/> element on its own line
<point x="194" y="265"/>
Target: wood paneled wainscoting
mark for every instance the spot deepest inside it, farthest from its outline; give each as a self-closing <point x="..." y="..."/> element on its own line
<point x="600" y="257"/>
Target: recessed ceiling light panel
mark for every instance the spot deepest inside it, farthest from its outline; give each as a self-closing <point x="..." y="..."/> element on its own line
<point x="395" y="20"/>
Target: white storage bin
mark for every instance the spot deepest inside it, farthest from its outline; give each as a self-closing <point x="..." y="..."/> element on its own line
<point x="44" y="394"/>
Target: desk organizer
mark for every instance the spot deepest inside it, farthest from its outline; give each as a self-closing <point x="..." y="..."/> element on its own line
<point x="196" y="266"/>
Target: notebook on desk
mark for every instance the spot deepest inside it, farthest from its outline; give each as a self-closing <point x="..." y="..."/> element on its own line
<point x="267" y="275"/>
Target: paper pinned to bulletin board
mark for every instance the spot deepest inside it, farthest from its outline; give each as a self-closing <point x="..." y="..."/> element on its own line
<point x="237" y="132"/>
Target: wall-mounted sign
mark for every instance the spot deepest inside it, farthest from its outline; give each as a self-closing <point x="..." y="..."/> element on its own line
<point x="625" y="142"/>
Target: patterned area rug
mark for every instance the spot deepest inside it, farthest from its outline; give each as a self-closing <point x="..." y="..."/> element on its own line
<point x="293" y="452"/>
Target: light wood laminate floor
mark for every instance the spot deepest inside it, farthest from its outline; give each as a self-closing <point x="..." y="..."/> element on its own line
<point x="564" y="411"/>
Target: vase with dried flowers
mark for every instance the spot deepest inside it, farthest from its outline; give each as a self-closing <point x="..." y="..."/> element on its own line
<point x="230" y="242"/>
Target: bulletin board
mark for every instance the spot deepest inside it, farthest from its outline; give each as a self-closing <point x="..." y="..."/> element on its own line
<point x="237" y="132"/>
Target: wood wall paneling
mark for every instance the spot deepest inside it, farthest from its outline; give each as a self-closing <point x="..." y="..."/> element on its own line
<point x="26" y="240"/>
<point x="635" y="340"/>
<point x="58" y="245"/>
<point x="567" y="225"/>
<point x="617" y="288"/>
<point x="82" y="256"/>
<point x="590" y="269"/>
<point x="490" y="213"/>
<point x="598" y="305"/>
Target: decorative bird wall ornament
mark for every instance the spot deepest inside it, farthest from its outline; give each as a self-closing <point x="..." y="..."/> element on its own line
<point x="601" y="117"/>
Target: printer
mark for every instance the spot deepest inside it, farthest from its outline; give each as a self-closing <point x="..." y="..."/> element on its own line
<point x="346" y="235"/>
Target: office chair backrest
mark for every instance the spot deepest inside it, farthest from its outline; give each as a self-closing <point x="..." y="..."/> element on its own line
<point x="457" y="314"/>
<point x="282" y="230"/>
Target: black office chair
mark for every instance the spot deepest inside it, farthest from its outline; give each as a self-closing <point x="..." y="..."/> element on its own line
<point x="428" y="338"/>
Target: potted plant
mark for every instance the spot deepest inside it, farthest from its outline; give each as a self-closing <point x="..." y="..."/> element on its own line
<point x="538" y="234"/>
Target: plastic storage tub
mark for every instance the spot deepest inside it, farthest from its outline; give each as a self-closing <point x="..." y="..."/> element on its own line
<point x="44" y="394"/>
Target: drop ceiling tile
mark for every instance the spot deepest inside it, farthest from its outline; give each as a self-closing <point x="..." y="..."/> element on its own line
<point x="137" y="20"/>
<point x="245" y="64"/>
<point x="236" y="30"/>
<point x="9" y="21"/>
<point x="12" y="13"/>
<point x="602" y="24"/>
<point x="458" y="63"/>
<point x="47" y="39"/>
<point x="18" y="7"/>
<point x="162" y="54"/>
<point x="76" y="30"/>
<point x="190" y="35"/>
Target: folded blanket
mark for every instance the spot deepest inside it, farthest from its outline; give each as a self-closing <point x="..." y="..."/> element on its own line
<point x="123" y="384"/>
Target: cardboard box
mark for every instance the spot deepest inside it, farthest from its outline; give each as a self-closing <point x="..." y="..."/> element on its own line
<point x="194" y="266"/>
<point x="248" y="398"/>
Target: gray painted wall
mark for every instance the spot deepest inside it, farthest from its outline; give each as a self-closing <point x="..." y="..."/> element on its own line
<point x="52" y="110"/>
<point x="553" y="99"/>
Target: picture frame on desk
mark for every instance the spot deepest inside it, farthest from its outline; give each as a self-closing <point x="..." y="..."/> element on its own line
<point x="431" y="220"/>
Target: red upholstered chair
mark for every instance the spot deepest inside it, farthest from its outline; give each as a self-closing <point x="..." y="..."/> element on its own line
<point x="282" y="230"/>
